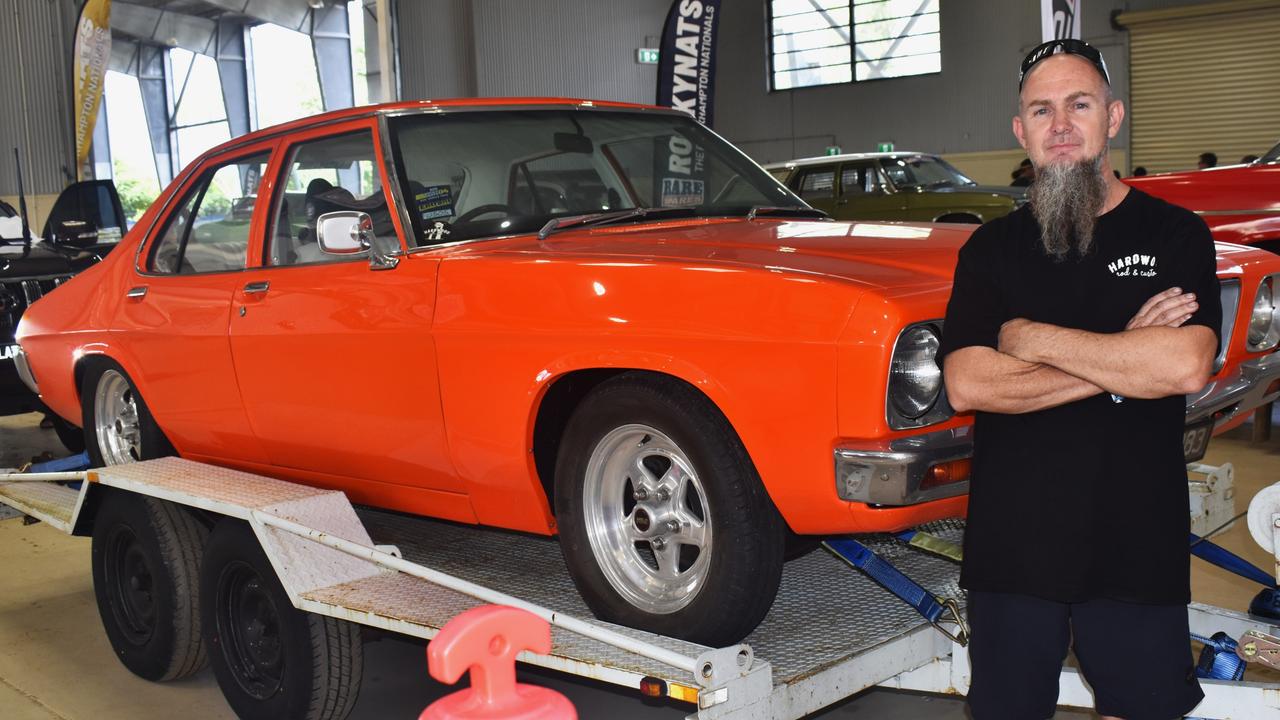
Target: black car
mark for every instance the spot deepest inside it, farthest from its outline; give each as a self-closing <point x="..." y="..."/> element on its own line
<point x="86" y="222"/>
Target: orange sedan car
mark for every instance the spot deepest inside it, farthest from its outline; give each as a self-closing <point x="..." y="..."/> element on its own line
<point x="584" y="318"/>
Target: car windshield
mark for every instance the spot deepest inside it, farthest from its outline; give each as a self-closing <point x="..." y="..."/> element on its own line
<point x="922" y="171"/>
<point x="1273" y="155"/>
<point x="477" y="174"/>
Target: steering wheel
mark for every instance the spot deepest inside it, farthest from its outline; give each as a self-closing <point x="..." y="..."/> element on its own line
<point x="479" y="210"/>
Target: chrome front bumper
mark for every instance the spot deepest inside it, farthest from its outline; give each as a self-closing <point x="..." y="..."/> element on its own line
<point x="1242" y="392"/>
<point x="892" y="474"/>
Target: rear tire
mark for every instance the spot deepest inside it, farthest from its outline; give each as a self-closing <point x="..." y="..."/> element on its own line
<point x="146" y="558"/>
<point x="272" y="661"/>
<point x="664" y="523"/>
<point x="118" y="424"/>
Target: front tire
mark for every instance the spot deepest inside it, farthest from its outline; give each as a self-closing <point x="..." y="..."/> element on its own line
<point x="146" y="558"/>
<point x="118" y="424"/>
<point x="664" y="523"/>
<point x="272" y="661"/>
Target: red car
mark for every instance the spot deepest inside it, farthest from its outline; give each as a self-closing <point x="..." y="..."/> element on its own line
<point x="1241" y="203"/>
<point x="588" y="319"/>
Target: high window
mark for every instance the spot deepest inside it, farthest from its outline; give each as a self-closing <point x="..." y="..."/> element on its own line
<point x="825" y="42"/>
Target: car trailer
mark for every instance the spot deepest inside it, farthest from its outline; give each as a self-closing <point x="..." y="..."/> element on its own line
<point x="831" y="633"/>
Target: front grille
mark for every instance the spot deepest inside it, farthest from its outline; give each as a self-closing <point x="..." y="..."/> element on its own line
<point x="16" y="295"/>
<point x="1230" y="294"/>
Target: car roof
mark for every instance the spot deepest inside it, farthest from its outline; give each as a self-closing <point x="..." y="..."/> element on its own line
<point x="822" y="159"/>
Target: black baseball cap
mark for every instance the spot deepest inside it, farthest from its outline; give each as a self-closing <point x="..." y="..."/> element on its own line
<point x="1065" y="46"/>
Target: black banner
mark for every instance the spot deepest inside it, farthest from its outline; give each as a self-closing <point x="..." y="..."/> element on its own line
<point x="687" y="58"/>
<point x="686" y="81"/>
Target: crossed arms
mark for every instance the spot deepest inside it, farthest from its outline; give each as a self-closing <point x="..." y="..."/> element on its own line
<point x="1039" y="366"/>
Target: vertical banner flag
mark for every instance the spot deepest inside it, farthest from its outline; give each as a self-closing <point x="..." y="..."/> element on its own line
<point x="91" y="54"/>
<point x="1060" y="19"/>
<point x="686" y="81"/>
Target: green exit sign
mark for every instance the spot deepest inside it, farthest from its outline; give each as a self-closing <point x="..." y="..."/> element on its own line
<point x="833" y="149"/>
<point x="647" y="56"/>
<point x="884" y="147"/>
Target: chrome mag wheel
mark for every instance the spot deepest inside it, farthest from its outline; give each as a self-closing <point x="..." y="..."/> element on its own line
<point x="647" y="518"/>
<point x="115" y="420"/>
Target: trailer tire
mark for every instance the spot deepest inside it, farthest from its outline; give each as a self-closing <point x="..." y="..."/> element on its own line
<point x="272" y="661"/>
<point x="146" y="559"/>
<point x="692" y="549"/>
<point x="118" y="426"/>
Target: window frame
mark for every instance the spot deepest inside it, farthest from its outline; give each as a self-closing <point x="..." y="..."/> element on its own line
<point x="198" y="180"/>
<point x="771" y="77"/>
<point x="287" y="147"/>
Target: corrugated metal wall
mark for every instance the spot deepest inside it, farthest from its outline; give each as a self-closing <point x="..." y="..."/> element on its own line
<point x="487" y="48"/>
<point x="1205" y="79"/>
<point x="35" y="103"/>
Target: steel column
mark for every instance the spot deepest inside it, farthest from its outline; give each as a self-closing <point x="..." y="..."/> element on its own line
<point x="331" y="43"/>
<point x="153" y="84"/>
<point x="233" y="74"/>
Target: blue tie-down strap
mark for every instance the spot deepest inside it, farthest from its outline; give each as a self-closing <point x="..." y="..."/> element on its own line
<point x="1227" y="560"/>
<point x="1218" y="659"/>
<point x="66" y="464"/>
<point x="935" y="611"/>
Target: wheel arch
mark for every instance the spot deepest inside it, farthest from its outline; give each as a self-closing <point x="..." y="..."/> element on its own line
<point x="565" y="391"/>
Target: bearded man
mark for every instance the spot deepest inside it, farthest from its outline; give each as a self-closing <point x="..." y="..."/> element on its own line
<point x="1076" y="327"/>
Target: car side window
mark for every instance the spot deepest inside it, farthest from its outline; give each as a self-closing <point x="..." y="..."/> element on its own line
<point x="818" y="184"/>
<point x="210" y="230"/>
<point x="334" y="174"/>
<point x="856" y="180"/>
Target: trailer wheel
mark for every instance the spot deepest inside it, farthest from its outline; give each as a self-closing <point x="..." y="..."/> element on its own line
<point x="272" y="661"/>
<point x="664" y="523"/>
<point x="146" y="559"/>
<point x="118" y="425"/>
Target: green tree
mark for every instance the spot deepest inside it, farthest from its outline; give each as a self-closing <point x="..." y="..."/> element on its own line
<point x="137" y="191"/>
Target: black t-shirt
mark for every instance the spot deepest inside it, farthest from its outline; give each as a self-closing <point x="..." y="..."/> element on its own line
<point x="1088" y="499"/>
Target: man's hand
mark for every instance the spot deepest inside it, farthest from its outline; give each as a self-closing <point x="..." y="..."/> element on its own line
<point x="1170" y="308"/>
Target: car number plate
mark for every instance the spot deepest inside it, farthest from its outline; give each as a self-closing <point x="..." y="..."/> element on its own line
<point x="1195" y="440"/>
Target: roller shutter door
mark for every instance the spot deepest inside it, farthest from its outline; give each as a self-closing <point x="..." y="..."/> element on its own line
<point x="1203" y="78"/>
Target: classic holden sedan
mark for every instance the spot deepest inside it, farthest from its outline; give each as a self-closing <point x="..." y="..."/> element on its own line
<point x="588" y="319"/>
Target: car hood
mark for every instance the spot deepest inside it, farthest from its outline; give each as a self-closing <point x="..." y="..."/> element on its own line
<point x="43" y="260"/>
<point x="871" y="254"/>
<point x="1017" y="193"/>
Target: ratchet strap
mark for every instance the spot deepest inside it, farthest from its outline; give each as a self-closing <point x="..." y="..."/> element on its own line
<point x="937" y="612"/>
<point x="932" y="543"/>
<point x="1219" y="659"/>
<point x="1227" y="560"/>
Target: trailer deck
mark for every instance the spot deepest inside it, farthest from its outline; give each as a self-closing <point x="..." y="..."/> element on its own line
<point x="832" y="631"/>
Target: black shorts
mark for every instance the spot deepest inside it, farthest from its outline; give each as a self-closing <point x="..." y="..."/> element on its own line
<point x="1136" y="658"/>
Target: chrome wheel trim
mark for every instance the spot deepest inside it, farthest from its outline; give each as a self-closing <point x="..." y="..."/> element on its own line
<point x="115" y="420"/>
<point x="646" y="517"/>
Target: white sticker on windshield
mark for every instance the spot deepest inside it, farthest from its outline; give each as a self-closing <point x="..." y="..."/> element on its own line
<point x="679" y="192"/>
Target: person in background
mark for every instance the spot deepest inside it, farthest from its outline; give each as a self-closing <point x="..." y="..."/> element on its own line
<point x="1248" y="159"/>
<point x="1024" y="174"/>
<point x="1139" y="171"/>
<point x="1207" y="160"/>
<point x="1077" y="325"/>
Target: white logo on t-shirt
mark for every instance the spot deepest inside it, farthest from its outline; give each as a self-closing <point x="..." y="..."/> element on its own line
<point x="1135" y="265"/>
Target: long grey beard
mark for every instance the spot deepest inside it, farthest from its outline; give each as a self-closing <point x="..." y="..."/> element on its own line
<point x="1065" y="200"/>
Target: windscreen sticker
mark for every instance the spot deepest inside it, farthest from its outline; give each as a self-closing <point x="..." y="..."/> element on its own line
<point x="681" y="192"/>
<point x="434" y="202"/>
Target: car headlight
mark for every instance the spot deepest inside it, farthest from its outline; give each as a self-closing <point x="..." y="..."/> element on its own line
<point x="915" y="380"/>
<point x="1264" y="324"/>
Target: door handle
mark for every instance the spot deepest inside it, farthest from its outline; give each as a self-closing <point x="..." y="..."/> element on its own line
<point x="137" y="292"/>
<point x="255" y="288"/>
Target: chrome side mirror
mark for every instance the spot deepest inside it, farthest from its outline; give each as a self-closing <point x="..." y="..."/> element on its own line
<point x="344" y="232"/>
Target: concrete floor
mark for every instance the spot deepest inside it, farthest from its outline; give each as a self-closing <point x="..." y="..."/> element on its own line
<point x="55" y="662"/>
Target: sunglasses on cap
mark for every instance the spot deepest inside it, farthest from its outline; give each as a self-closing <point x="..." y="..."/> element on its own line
<point x="1067" y="46"/>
